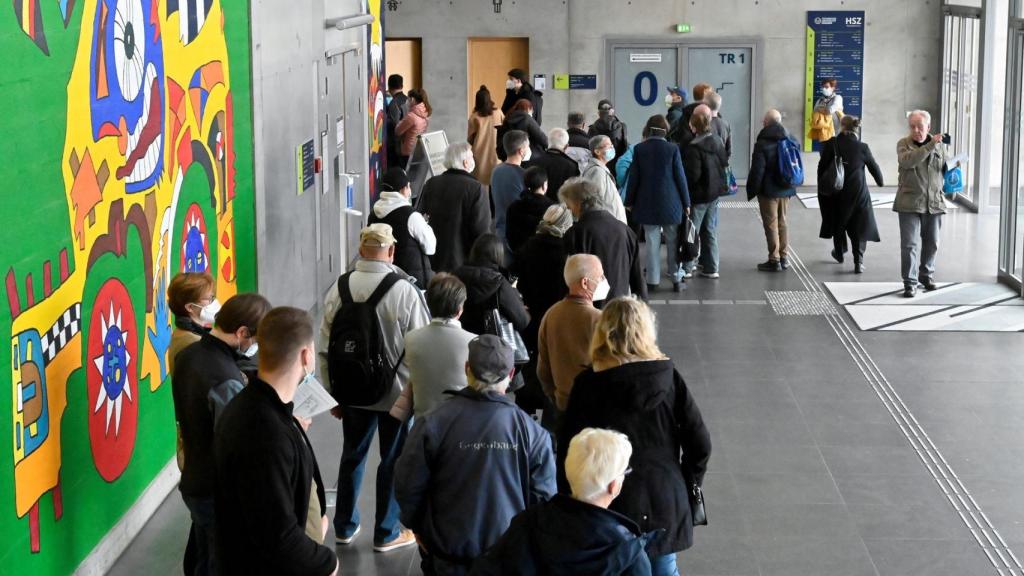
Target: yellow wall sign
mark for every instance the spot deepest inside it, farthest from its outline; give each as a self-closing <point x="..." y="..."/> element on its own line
<point x="561" y="81"/>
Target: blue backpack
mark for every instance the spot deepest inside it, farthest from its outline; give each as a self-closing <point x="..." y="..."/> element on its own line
<point x="791" y="166"/>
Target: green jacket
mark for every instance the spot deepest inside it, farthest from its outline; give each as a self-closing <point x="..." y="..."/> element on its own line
<point x="920" y="177"/>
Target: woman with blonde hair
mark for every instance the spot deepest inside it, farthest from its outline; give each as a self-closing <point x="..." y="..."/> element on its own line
<point x="633" y="387"/>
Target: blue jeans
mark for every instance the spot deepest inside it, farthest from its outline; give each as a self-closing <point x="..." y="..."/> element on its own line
<point x="653" y="234"/>
<point x="203" y="526"/>
<point x="665" y="565"/>
<point x="359" y="426"/>
<point x="705" y="219"/>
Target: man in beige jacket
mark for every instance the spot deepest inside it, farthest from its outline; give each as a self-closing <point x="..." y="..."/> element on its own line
<point x="919" y="201"/>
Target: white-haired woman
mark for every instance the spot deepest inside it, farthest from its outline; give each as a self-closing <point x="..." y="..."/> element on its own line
<point x="634" y="388"/>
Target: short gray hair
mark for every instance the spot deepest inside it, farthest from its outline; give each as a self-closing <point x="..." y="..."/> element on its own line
<point x="484" y="386"/>
<point x="773" y="115"/>
<point x="558" y="138"/>
<point x="595" y="142"/>
<point x="713" y="100"/>
<point x="513" y="141"/>
<point x="578" y="267"/>
<point x="596" y="458"/>
<point x="580" y="191"/>
<point x="446" y="294"/>
<point x="456" y="155"/>
<point x="923" y="114"/>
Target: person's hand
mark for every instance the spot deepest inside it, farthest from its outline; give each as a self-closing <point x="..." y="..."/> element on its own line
<point x="324" y="524"/>
<point x="336" y="412"/>
<point x="420" y="542"/>
<point x="687" y="210"/>
<point x="304" y="422"/>
<point x="937" y="138"/>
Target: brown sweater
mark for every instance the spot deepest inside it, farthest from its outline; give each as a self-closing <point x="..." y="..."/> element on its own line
<point x="563" y="345"/>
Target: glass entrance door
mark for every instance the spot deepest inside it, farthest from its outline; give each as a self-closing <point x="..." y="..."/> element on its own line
<point x="1011" y="245"/>
<point x="960" y="65"/>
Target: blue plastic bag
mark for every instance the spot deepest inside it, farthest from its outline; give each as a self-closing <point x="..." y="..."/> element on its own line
<point x="953" y="181"/>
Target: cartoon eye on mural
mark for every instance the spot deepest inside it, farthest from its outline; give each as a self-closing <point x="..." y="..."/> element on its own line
<point x="128" y="88"/>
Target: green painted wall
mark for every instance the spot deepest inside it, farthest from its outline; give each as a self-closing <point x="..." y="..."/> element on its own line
<point x="127" y="157"/>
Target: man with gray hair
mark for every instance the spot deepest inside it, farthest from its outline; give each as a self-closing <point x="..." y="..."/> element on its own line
<point x="719" y="126"/>
<point x="456" y="207"/>
<point x="599" y="233"/>
<point x="563" y="341"/>
<point x="472" y="464"/>
<point x="923" y="159"/>
<point x="558" y="166"/>
<point x="597" y="171"/>
<point x="577" y="534"/>
<point x="765" y="182"/>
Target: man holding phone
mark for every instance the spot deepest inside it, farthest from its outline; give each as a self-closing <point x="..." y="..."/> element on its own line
<point x="919" y="200"/>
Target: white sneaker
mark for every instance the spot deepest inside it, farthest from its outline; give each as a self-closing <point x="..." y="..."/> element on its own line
<point x="712" y="275"/>
<point x="349" y="540"/>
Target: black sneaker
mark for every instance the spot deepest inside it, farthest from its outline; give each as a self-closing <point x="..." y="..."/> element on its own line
<point x="784" y="263"/>
<point x="909" y="292"/>
<point x="677" y="286"/>
<point x="769" y="266"/>
<point x="652" y="287"/>
<point x="858" y="267"/>
<point x="929" y="285"/>
<point x="837" y="255"/>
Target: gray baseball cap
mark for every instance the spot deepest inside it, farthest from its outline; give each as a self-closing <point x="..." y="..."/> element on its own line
<point x="490" y="359"/>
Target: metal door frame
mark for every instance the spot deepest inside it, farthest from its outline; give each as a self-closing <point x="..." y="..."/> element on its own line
<point x="1012" y="152"/>
<point x="682" y="46"/>
<point x="957" y="49"/>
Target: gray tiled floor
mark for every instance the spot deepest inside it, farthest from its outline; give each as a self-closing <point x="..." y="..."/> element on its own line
<point x="810" y="474"/>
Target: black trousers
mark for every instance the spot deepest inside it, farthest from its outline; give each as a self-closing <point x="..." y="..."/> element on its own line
<point x="859" y="246"/>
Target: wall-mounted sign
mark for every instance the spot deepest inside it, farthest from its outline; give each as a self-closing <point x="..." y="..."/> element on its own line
<point x="561" y="81"/>
<point x="304" y="157"/>
<point x="645" y="58"/>
<point x="582" y="81"/>
<point x="683" y="28"/>
<point x="835" y="49"/>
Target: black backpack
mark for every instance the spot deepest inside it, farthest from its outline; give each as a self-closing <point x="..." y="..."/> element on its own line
<point x="358" y="366"/>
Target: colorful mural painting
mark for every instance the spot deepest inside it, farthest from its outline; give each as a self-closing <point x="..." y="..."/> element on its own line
<point x="128" y="141"/>
<point x="376" y="85"/>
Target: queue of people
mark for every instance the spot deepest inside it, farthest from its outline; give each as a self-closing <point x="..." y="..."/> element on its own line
<point x="464" y="300"/>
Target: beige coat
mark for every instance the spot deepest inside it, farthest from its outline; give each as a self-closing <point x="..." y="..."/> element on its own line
<point x="483" y="137"/>
<point x="920" y="177"/>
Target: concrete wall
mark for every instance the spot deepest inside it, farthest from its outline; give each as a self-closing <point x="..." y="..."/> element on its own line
<point x="902" y="52"/>
<point x="289" y="47"/>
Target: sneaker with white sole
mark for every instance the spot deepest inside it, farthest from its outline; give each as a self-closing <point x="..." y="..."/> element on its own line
<point x="404" y="538"/>
<point x="711" y="275"/>
<point x="349" y="540"/>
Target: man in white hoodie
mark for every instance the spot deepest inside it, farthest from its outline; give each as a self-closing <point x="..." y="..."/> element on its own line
<point x="415" y="238"/>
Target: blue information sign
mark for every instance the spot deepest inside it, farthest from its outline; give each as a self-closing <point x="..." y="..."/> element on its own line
<point x="835" y="49"/>
<point x="582" y="81"/>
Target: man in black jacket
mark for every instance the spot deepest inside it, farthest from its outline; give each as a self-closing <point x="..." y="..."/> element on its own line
<point x="206" y="379"/>
<point x="772" y="192"/>
<point x="577" y="534"/>
<point x="518" y="88"/>
<point x="266" y="469"/>
<point x="578" y="137"/>
<point x="555" y="163"/>
<point x="397" y="107"/>
<point x="456" y="207"/>
<point x="598" y="232"/>
<point x="523" y="215"/>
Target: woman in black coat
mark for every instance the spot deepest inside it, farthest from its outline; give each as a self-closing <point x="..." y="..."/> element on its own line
<point x="521" y="118"/>
<point x="487" y="287"/>
<point x="849" y="212"/>
<point x="634" y="388"/>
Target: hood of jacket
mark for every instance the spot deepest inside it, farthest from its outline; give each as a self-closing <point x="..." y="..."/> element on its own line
<point x="481" y="281"/>
<point x="712" y="145"/>
<point x="388" y="203"/>
<point x="642" y="385"/>
<point x="518" y="120"/>
<point x="606" y="124"/>
<point x="574" y="537"/>
<point x="773" y="132"/>
<point x="420" y="109"/>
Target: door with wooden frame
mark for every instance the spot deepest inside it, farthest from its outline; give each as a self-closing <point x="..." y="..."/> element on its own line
<point x="489" y="60"/>
<point x="404" y="56"/>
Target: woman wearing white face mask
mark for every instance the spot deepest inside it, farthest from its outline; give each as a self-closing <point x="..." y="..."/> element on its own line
<point x="190" y="297"/>
<point x="207" y="377"/>
<point x="828" y="111"/>
<point x="517" y="88"/>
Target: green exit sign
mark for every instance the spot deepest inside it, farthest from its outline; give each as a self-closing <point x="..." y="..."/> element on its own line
<point x="682" y="28"/>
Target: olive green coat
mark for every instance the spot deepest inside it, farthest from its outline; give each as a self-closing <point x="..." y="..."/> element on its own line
<point x="920" y="177"/>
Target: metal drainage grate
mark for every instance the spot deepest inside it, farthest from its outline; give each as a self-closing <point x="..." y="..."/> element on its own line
<point x="799" y="303"/>
<point x="735" y="204"/>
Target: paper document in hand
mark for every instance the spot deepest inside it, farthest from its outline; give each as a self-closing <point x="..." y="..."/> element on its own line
<point x="959" y="159"/>
<point x="311" y="400"/>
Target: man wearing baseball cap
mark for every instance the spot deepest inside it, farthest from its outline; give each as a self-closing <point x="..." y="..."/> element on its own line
<point x="473" y="463"/>
<point x="399" y="310"/>
<point x="676" y="100"/>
